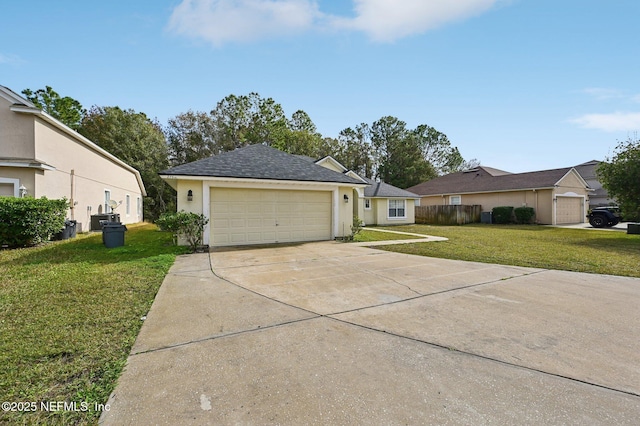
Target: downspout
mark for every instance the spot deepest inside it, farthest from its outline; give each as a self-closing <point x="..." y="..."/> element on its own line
<point x="536" y="204"/>
<point x="336" y="214"/>
<point x="72" y="203"/>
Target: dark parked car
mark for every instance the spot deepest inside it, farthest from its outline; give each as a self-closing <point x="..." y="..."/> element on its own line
<point x="601" y="217"/>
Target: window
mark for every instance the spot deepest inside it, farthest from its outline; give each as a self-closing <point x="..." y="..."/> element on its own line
<point x="397" y="208"/>
<point x="128" y="205"/>
<point x="139" y="207"/>
<point x="367" y="203"/>
<point x="107" y="198"/>
<point x="455" y="200"/>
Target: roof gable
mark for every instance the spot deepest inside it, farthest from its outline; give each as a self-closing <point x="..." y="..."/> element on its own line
<point x="14" y="98"/>
<point x="332" y="164"/>
<point x="260" y="162"/>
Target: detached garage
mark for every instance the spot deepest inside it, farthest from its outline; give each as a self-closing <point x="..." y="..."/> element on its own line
<point x="260" y="195"/>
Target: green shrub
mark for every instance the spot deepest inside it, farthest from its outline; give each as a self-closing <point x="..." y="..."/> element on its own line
<point x="26" y="222"/>
<point x="502" y="214"/>
<point x="356" y="227"/>
<point x="189" y="226"/>
<point x="524" y="215"/>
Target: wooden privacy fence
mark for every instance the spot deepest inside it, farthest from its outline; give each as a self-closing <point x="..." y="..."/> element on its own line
<point x="448" y="215"/>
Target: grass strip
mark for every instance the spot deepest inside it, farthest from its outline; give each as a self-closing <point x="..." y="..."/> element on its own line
<point x="69" y="314"/>
<point x="581" y="250"/>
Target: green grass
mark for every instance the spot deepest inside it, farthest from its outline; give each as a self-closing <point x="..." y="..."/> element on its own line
<point x="367" y="236"/>
<point x="582" y="250"/>
<point x="69" y="314"/>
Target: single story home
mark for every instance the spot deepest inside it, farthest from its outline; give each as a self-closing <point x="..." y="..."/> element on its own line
<point x="259" y="195"/>
<point x="41" y="157"/>
<point x="559" y="196"/>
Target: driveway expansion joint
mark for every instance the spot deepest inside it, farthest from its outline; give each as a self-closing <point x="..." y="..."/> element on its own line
<point x="486" y="358"/>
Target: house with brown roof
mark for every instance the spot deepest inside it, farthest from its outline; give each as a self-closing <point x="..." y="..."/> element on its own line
<point x="558" y="196"/>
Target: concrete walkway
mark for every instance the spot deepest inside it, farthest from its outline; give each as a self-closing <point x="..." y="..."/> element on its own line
<point x="332" y="333"/>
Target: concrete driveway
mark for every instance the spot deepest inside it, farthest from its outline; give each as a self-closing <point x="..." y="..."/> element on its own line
<point x="333" y="333"/>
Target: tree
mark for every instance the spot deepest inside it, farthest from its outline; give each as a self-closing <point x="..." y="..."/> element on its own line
<point x="139" y="142"/>
<point x="437" y="150"/>
<point x="401" y="162"/>
<point x="67" y="110"/>
<point x="248" y="119"/>
<point x="355" y="151"/>
<point x="190" y="137"/>
<point x="620" y="176"/>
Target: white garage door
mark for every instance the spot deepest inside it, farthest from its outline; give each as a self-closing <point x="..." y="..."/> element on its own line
<point x="569" y="210"/>
<point x="259" y="216"/>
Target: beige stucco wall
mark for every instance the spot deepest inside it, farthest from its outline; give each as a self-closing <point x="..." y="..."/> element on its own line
<point x="15" y="129"/>
<point x="345" y="215"/>
<point x="194" y="206"/>
<point x="81" y="174"/>
<point x="89" y="172"/>
<point x="369" y="215"/>
<point x="379" y="213"/>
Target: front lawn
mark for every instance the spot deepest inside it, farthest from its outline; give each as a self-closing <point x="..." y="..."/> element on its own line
<point x="69" y="314"/>
<point x="582" y="250"/>
<point x="368" y="235"/>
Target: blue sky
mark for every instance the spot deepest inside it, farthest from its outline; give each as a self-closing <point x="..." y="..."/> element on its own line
<point x="520" y="85"/>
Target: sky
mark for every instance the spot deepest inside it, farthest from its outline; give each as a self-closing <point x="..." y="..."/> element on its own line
<point x="519" y="85"/>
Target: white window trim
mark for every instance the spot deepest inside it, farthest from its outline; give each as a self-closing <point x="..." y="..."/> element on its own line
<point x="404" y="203"/>
<point x="107" y="208"/>
<point x="367" y="201"/>
<point x="16" y="185"/>
<point x="127" y="206"/>
<point x="458" y="197"/>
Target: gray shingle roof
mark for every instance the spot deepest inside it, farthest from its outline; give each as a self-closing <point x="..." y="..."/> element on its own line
<point x="384" y="190"/>
<point x="260" y="162"/>
<point x="480" y="180"/>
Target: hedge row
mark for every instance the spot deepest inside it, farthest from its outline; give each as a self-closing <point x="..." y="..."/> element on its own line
<point x="26" y="222"/>
<point x="507" y="214"/>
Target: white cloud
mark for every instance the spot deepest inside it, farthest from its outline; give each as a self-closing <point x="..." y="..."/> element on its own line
<point x="612" y="122"/>
<point x="10" y="59"/>
<point x="386" y="21"/>
<point x="603" y="93"/>
<point x="223" y="21"/>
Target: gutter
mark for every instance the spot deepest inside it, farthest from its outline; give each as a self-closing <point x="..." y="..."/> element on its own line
<point x="23" y="109"/>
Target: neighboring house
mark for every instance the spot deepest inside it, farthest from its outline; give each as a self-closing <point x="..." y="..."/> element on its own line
<point x="260" y="195"/>
<point x="558" y="196"/>
<point x="599" y="197"/>
<point x="41" y="157"/>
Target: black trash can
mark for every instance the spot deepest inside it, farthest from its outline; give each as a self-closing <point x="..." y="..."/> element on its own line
<point x="486" y="217"/>
<point x="69" y="230"/>
<point x="633" y="228"/>
<point x="113" y="234"/>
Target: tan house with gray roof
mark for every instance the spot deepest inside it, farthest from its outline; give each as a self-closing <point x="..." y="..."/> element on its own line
<point x="558" y="196"/>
